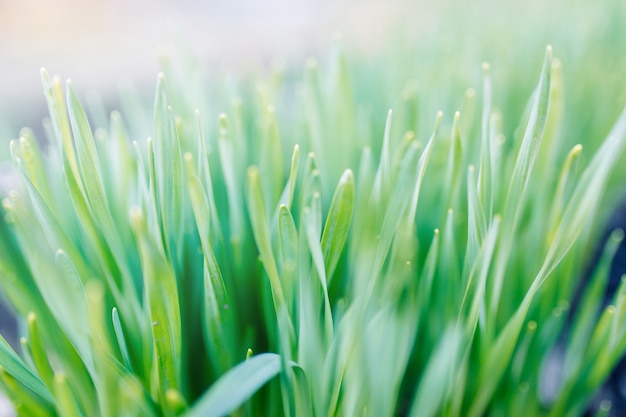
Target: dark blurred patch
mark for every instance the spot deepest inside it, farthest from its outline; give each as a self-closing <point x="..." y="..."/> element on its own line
<point x="614" y="389"/>
<point x="8" y="325"/>
<point x="618" y="265"/>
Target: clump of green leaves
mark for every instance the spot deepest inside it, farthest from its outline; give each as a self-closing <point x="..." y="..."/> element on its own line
<point x="284" y="260"/>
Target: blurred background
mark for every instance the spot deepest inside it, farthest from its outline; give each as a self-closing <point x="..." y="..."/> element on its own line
<point x="102" y="43"/>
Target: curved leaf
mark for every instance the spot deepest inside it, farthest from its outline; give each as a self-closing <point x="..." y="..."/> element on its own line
<point x="236" y="386"/>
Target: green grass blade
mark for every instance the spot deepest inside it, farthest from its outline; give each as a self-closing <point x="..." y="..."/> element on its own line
<point x="59" y="119"/>
<point x="476" y="284"/>
<point x="338" y="223"/>
<point x="270" y="163"/>
<point x="95" y="199"/>
<point x="66" y="401"/>
<point x="38" y="351"/>
<point x="168" y="170"/>
<point x="204" y="174"/>
<point x="229" y="160"/>
<point x="134" y="400"/>
<point x="524" y="164"/>
<point x="163" y="305"/>
<point x="25" y="402"/>
<point x="311" y="231"/>
<point x="436" y="379"/>
<point x="121" y="339"/>
<point x="107" y="370"/>
<point x="454" y="163"/>
<point x="559" y="196"/>
<point x="422" y="163"/>
<point x="230" y="391"/>
<point x="216" y="305"/>
<point x="586" y="195"/>
<point x="486" y="170"/>
<point x="382" y="182"/>
<point x="261" y="232"/>
<point x="13" y="365"/>
<point x="288" y="239"/>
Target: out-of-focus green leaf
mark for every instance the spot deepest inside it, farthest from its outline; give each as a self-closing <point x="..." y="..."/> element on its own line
<point x="338" y="222"/>
<point x="230" y="391"/>
<point x="13" y="365"/>
<point x="164" y="310"/>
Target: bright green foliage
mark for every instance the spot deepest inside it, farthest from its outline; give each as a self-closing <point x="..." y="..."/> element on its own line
<point x="294" y="256"/>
